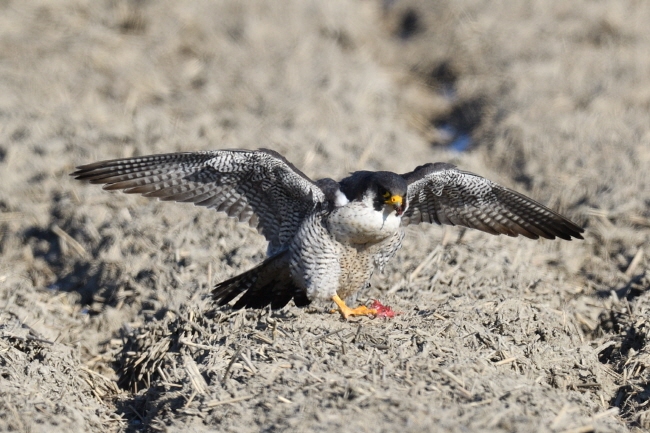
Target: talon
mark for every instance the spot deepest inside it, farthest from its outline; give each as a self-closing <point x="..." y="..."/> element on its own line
<point x="346" y="311"/>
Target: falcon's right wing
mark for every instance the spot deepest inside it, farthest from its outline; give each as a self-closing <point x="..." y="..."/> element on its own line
<point x="259" y="187"/>
<point x="443" y="194"/>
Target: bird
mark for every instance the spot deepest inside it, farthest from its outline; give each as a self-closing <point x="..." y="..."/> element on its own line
<point x="325" y="237"/>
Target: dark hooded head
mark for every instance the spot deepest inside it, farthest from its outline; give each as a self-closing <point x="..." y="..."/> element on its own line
<point x="383" y="187"/>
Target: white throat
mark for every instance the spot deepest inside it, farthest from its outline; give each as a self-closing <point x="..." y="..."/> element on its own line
<point x="358" y="222"/>
<point x="341" y="199"/>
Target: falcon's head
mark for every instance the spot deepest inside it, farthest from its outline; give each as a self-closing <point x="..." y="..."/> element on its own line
<point x="383" y="189"/>
<point x="390" y="190"/>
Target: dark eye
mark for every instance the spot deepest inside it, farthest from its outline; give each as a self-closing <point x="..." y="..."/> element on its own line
<point x="386" y="194"/>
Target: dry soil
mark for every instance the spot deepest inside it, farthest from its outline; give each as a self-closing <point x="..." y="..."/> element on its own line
<point x="105" y="319"/>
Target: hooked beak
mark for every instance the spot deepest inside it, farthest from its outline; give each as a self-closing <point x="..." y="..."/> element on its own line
<point x="396" y="202"/>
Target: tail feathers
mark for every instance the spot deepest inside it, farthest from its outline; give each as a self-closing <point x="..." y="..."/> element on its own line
<point x="269" y="282"/>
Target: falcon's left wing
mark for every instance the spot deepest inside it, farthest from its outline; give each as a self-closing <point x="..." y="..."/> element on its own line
<point x="259" y="187"/>
<point x="440" y="193"/>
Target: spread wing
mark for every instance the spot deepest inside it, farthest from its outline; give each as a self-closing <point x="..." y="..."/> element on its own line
<point x="443" y="194"/>
<point x="259" y="187"/>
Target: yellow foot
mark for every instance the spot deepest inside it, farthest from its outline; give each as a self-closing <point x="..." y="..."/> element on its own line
<point x="346" y="311"/>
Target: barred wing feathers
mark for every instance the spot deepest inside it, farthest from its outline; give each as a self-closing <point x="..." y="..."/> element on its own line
<point x="440" y="193"/>
<point x="259" y="187"/>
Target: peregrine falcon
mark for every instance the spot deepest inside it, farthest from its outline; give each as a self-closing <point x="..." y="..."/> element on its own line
<point x="325" y="238"/>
